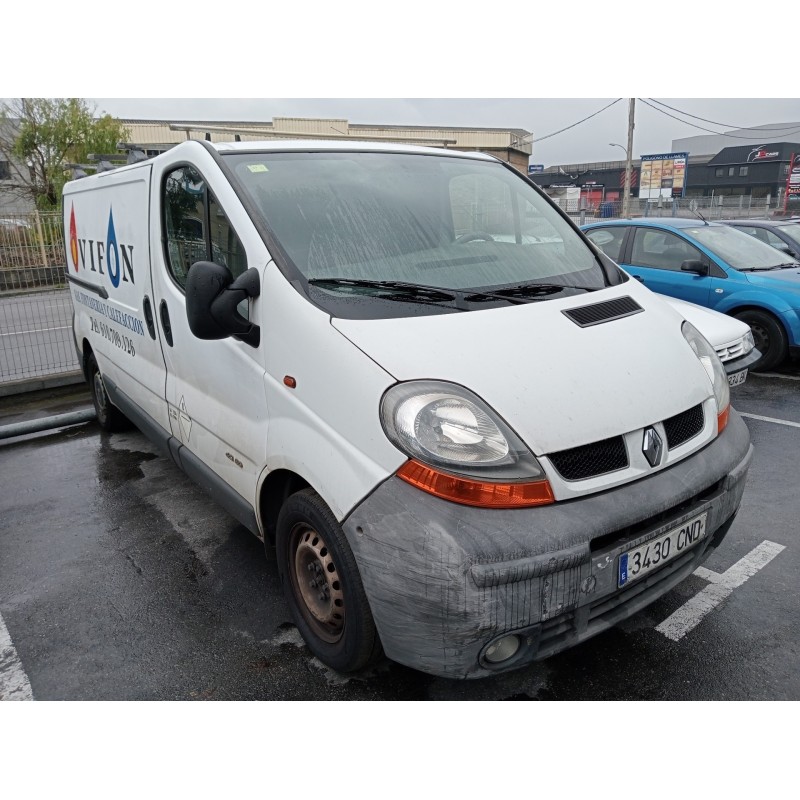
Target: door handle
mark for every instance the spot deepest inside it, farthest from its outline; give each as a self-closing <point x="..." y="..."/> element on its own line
<point x="165" y="325"/>
<point x="639" y="278"/>
<point x="148" y="317"/>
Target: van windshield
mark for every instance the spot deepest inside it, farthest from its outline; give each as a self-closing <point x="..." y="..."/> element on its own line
<point x="442" y="222"/>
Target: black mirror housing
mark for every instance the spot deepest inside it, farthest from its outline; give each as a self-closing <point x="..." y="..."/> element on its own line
<point x="212" y="297"/>
<point x="694" y="265"/>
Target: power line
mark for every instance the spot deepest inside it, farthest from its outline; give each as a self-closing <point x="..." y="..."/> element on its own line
<point x="555" y="133"/>
<point x="722" y="124"/>
<point x="709" y="130"/>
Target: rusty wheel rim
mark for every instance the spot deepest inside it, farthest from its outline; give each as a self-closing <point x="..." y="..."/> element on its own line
<point x="316" y="583"/>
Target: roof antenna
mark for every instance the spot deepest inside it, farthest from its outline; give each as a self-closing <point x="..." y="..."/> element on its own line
<point x="693" y="209"/>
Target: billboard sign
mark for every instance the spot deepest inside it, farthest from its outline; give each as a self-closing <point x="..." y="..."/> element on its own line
<point x="663" y="175"/>
<point x="532" y="168"/>
<point x="793" y="184"/>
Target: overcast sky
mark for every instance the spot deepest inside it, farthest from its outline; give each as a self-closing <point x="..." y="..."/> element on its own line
<point x="588" y="141"/>
<point x="380" y="53"/>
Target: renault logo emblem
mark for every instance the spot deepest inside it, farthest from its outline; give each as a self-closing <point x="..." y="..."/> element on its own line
<point x="652" y="447"/>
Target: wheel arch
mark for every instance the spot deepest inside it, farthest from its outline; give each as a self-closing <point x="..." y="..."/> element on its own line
<point x="87" y="351"/>
<point x="275" y="489"/>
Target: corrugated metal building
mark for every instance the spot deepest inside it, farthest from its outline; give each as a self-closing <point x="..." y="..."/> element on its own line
<point x="512" y="145"/>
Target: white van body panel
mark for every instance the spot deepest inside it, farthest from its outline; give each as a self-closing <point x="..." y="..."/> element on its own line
<point x="542" y="373"/>
<point x="115" y="326"/>
<point x="215" y="389"/>
<point x="327" y="429"/>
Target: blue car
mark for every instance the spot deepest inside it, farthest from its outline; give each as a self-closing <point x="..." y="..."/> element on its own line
<point x="716" y="266"/>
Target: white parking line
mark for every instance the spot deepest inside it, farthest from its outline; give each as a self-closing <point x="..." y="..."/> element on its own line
<point x="691" y="613"/>
<point x="37" y="330"/>
<point x="14" y="683"/>
<point x="770" y="419"/>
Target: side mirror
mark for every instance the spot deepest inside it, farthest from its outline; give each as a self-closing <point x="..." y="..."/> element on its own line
<point x="212" y="296"/>
<point x="694" y="265"/>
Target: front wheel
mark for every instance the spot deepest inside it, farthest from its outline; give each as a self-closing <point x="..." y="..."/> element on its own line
<point x="109" y="417"/>
<point x="322" y="585"/>
<point x="769" y="336"/>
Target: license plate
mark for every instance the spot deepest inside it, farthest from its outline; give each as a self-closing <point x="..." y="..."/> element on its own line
<point x="638" y="562"/>
<point x="738" y="378"/>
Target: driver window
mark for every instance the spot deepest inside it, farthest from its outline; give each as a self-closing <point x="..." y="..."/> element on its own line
<point x="197" y="229"/>
<point x="661" y="250"/>
<point x="184" y="220"/>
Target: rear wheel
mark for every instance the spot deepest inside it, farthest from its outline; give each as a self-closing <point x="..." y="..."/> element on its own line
<point x="109" y="417"/>
<point x="322" y="585"/>
<point x="769" y="336"/>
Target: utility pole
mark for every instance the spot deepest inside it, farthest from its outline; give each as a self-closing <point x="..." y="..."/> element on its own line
<point x="626" y="202"/>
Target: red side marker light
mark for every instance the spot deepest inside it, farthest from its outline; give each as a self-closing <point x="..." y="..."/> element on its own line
<point x="290" y="381"/>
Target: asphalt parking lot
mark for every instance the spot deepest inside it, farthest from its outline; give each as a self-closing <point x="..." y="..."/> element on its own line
<point x="119" y="579"/>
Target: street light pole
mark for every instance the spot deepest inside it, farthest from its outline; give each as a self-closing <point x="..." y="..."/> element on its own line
<point x="626" y="200"/>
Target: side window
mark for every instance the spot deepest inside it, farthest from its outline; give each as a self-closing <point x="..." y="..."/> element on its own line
<point x="774" y="240"/>
<point x="609" y="240"/>
<point x="661" y="250"/>
<point x="196" y="227"/>
<point x="184" y="221"/>
<point x="226" y="248"/>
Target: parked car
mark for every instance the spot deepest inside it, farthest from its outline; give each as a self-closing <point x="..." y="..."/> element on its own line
<point x="716" y="266"/>
<point x="731" y="338"/>
<point x="784" y="235"/>
<point x="471" y="448"/>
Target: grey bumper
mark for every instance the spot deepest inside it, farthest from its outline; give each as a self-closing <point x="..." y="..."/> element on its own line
<point x="444" y="580"/>
<point x="743" y="362"/>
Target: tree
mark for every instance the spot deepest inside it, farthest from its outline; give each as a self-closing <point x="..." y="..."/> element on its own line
<point x="38" y="136"/>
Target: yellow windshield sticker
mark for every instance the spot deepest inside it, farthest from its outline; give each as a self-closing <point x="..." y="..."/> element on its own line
<point x="257" y="168"/>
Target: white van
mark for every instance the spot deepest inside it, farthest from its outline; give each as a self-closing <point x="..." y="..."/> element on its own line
<point x="473" y="440"/>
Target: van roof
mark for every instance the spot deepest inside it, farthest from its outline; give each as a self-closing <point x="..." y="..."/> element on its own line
<point x="283" y="146"/>
<point x="317" y="145"/>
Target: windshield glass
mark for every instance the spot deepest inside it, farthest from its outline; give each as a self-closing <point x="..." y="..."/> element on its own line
<point x="792" y="231"/>
<point x="444" y="222"/>
<point x="739" y="249"/>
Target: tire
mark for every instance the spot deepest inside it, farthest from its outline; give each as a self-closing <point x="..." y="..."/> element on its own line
<point x="109" y="417"/>
<point x="770" y="338"/>
<point x="322" y="585"/>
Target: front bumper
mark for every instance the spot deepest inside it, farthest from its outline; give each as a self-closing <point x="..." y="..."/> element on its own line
<point x="744" y="362"/>
<point x="444" y="580"/>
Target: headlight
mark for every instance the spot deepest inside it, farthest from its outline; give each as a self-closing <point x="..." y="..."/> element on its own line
<point x="713" y="366"/>
<point x="447" y="426"/>
<point x="748" y="343"/>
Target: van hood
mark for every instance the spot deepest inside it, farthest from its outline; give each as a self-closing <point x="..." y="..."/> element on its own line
<point x="556" y="384"/>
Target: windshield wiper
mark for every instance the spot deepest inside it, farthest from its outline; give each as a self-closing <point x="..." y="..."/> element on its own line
<point x="415" y="290"/>
<point x="418" y="292"/>
<point x="786" y="265"/>
<point x="526" y="291"/>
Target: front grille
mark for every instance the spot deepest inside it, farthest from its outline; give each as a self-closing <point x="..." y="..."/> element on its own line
<point x="596" y="313"/>
<point x="589" y="460"/>
<point x="731" y="351"/>
<point x="684" y="426"/>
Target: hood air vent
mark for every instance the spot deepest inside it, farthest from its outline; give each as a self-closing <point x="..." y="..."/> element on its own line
<point x="596" y="313"/>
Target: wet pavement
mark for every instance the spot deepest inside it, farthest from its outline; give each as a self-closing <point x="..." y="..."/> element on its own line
<point x="119" y="579"/>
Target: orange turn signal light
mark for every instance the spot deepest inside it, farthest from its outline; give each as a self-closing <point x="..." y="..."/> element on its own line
<point x="470" y="492"/>
<point x="722" y="419"/>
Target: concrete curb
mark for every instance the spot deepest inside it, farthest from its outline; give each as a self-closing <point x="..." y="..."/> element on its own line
<point x="37" y="384"/>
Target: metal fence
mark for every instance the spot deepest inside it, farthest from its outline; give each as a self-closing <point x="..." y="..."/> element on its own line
<point x="35" y="306"/>
<point x="710" y="208"/>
